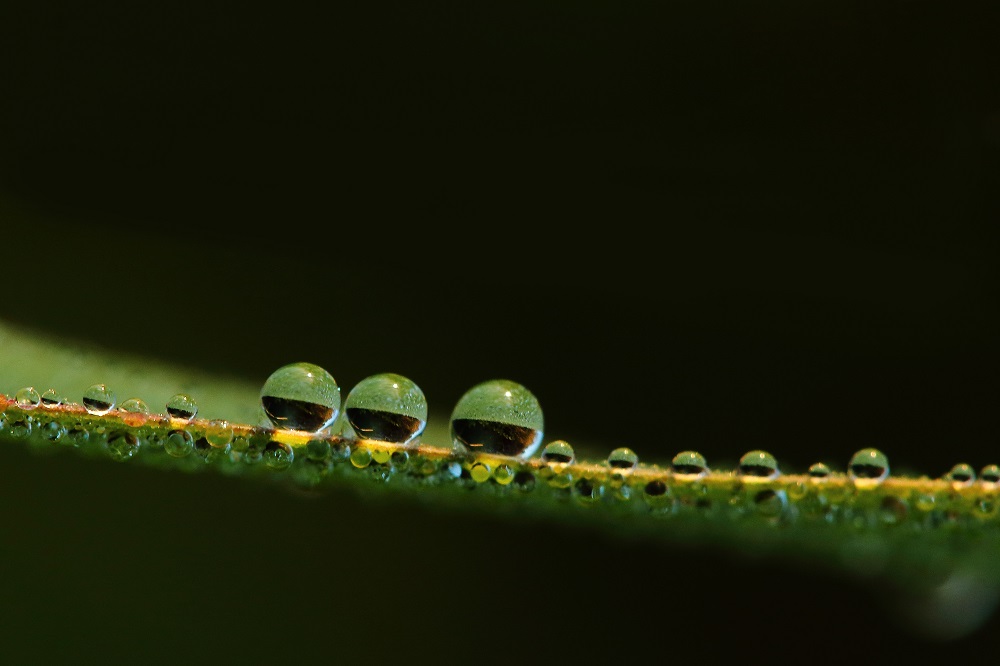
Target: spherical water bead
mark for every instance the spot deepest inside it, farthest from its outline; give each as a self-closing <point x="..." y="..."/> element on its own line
<point x="689" y="463"/>
<point x="558" y="452"/>
<point x="135" y="411"/>
<point x="27" y="398"/>
<point x="758" y="465"/>
<point x="892" y="510"/>
<point x="961" y="475"/>
<point x="219" y="434"/>
<point x="656" y="494"/>
<point x="480" y="472"/>
<point x="503" y="474"/>
<point x="361" y="457"/>
<point x="819" y="471"/>
<point x="623" y="459"/>
<point x="51" y="398"/>
<point x="278" y="456"/>
<point x="99" y="399"/>
<point x="990" y="474"/>
<point x="524" y="481"/>
<point x="770" y="503"/>
<point x="399" y="459"/>
<point x="318" y="449"/>
<point x="122" y="445"/>
<point x="386" y="407"/>
<point x="868" y="467"/>
<point x="20" y="427"/>
<point x="499" y="417"/>
<point x="301" y="396"/>
<point x="381" y="456"/>
<point x="53" y="431"/>
<point x="182" y="407"/>
<point x="587" y="491"/>
<point x="179" y="443"/>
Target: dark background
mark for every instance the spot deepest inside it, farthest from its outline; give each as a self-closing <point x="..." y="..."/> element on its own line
<point x="713" y="225"/>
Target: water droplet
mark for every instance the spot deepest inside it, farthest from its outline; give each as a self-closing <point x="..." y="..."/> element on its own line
<point x="758" y="465"/>
<point x="178" y="443"/>
<point x="386" y="407"/>
<point x="99" y="399"/>
<point x="278" y="456"/>
<point x="503" y="474"/>
<point x="500" y="417"/>
<point x="961" y="475"/>
<point x="20" y="427"/>
<point x="990" y="474"/>
<point x="819" y="471"/>
<point x="558" y="452"/>
<point x="134" y="411"/>
<point x="480" y="472"/>
<point x="770" y="503"/>
<point x="925" y="501"/>
<point x="623" y="459"/>
<point x="986" y="507"/>
<point x="78" y="435"/>
<point x="122" y="445"/>
<point x="361" y="457"/>
<point x="381" y="456"/>
<point x="399" y="459"/>
<point x="318" y="449"/>
<point x="892" y="510"/>
<point x="53" y="431"/>
<point x="27" y="398"/>
<point x="301" y="396"/>
<point x="868" y="467"/>
<point x="52" y="398"/>
<point x="689" y="464"/>
<point x="219" y="434"/>
<point x="560" y="480"/>
<point x="524" y="481"/>
<point x="655" y="488"/>
<point x="587" y="490"/>
<point x="182" y="407"/>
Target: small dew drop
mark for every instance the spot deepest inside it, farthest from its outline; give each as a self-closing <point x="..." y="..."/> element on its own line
<point x="182" y="407"/>
<point x="819" y="471"/>
<point x="587" y="490"/>
<point x="868" y="467"/>
<point x="770" y="503"/>
<point x="219" y="434"/>
<point x="524" y="481"/>
<point x="503" y="474"/>
<point x="990" y="474"/>
<point x="21" y="427"/>
<point x="689" y="464"/>
<point x="134" y="411"/>
<point x="361" y="457"/>
<point x="318" y="450"/>
<point x="480" y="472"/>
<point x="122" y="445"/>
<point x="623" y="459"/>
<point x="51" y="398"/>
<point x="399" y="459"/>
<point x="387" y="408"/>
<point x="301" y="396"/>
<point x="558" y="452"/>
<point x="99" y="399"/>
<point x="758" y="465"/>
<point x="179" y="443"/>
<point x="655" y="488"/>
<point x="961" y="475"/>
<point x="499" y="417"/>
<point x="278" y="456"/>
<point x="925" y="502"/>
<point x="381" y="456"/>
<point x="27" y="398"/>
<point x="892" y="510"/>
<point x="53" y="431"/>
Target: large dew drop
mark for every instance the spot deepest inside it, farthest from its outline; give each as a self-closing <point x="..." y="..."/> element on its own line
<point x="99" y="399"/>
<point x="623" y="459"/>
<point x="301" y="396"/>
<point x="182" y="407"/>
<point x="868" y="467"/>
<point x="387" y="408"/>
<point x="758" y="465"/>
<point x="500" y="417"/>
<point x="689" y="463"/>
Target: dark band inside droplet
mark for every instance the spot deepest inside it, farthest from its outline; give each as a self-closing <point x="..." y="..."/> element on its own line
<point x="524" y="479"/>
<point x="50" y="401"/>
<point x="383" y="426"/>
<point x="296" y="414"/>
<point x="819" y="473"/>
<point x="97" y="405"/>
<point x="764" y="496"/>
<point x="621" y="463"/>
<point x="688" y="469"/>
<point x="991" y="478"/>
<point x="178" y="413"/>
<point x="556" y="457"/>
<point x="585" y="487"/>
<point x="656" y="488"/>
<point x="961" y="477"/>
<point x="492" y="437"/>
<point x="757" y="470"/>
<point x="863" y="471"/>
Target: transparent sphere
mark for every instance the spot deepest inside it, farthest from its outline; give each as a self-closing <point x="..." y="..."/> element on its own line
<point x="386" y="407"/>
<point x="758" y="464"/>
<point x="301" y="396"/>
<point x="623" y="458"/>
<point x="558" y="452"/>
<point x="182" y="407"/>
<point x="689" y="463"/>
<point x="98" y="399"/>
<point x="868" y="466"/>
<point x="500" y="417"/>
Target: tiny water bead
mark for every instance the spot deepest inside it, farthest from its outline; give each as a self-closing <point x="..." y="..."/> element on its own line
<point x="689" y="463"/>
<point x="122" y="445"/>
<point x="758" y="465"/>
<point x="301" y="396"/>
<point x="179" y="443"/>
<point x="819" y="471"/>
<point x="182" y="407"/>
<point x="53" y="431"/>
<point x="480" y="472"/>
<point x="27" y="398"/>
<point x="361" y="457"/>
<point x="219" y="434"/>
<point x="99" y="399"/>
<point x="503" y="474"/>
<point x="868" y="467"/>
<point x="278" y="456"/>
<point x="559" y="452"/>
<point x="51" y="398"/>
<point x="386" y="407"/>
<point x="587" y="490"/>
<point x="961" y="474"/>
<point x="500" y="417"/>
<point x="317" y="449"/>
<point x="990" y="474"/>
<point x="623" y="459"/>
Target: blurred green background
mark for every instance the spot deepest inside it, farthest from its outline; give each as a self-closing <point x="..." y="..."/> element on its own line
<point x="710" y="225"/>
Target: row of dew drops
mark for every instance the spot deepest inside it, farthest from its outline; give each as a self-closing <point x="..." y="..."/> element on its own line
<point x="497" y="417"/>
